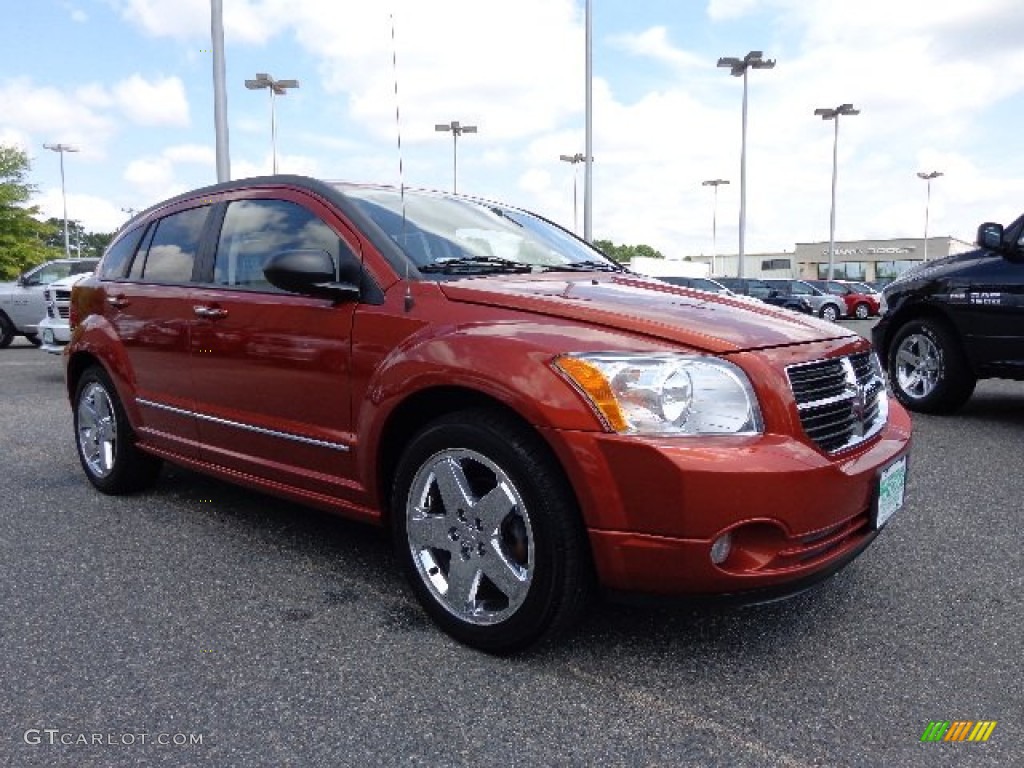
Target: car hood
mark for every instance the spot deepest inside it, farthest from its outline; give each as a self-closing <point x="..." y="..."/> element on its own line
<point x="710" y="322"/>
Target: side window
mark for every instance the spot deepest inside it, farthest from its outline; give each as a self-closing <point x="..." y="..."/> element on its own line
<point x="172" y="248"/>
<point x="255" y="230"/>
<point x="759" y="289"/>
<point x="115" y="260"/>
<point x="799" y="289"/>
<point x="49" y="273"/>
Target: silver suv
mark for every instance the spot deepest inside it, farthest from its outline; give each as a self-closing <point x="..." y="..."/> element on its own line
<point x="22" y="305"/>
<point x="825" y="305"/>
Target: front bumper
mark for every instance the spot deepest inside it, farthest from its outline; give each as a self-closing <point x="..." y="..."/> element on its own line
<point x="54" y="335"/>
<point x="653" y="509"/>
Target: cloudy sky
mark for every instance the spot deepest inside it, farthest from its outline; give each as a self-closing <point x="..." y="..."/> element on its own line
<point x="939" y="84"/>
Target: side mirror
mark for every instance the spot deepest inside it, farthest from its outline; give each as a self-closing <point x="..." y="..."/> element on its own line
<point x="990" y="235"/>
<point x="309" y="272"/>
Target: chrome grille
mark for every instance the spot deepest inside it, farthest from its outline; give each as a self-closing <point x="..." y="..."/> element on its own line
<point x="841" y="401"/>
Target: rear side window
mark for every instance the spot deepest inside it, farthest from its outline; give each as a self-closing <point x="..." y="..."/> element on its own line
<point x="170" y="251"/>
<point x="255" y="230"/>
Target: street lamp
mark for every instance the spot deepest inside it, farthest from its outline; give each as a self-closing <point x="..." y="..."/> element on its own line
<point x="457" y="130"/>
<point x="276" y="88"/>
<point x="62" y="148"/>
<point x="716" y="183"/>
<point x="833" y="114"/>
<point x="739" y="68"/>
<point x="575" y="160"/>
<point x="928" y="202"/>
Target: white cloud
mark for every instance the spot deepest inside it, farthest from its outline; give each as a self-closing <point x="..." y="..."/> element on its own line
<point x="244" y="21"/>
<point x="49" y="114"/>
<point x="97" y="214"/>
<point x="158" y="102"/>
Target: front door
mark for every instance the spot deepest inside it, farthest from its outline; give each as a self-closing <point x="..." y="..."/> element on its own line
<point x="271" y="369"/>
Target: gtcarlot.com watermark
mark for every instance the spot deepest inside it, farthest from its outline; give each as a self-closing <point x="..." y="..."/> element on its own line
<point x="59" y="737"/>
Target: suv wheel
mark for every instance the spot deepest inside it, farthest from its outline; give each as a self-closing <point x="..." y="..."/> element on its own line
<point x="6" y="331"/>
<point x="829" y="312"/>
<point x="105" y="441"/>
<point x="927" y="370"/>
<point x="862" y="311"/>
<point x="488" y="533"/>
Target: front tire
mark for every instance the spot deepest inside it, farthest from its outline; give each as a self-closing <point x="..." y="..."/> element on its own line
<point x="105" y="441"/>
<point x="928" y="371"/>
<point x="830" y="313"/>
<point x="6" y="331"/>
<point x="488" y="533"/>
<point x="862" y="311"/>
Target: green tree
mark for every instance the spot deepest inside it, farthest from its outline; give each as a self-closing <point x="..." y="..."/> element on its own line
<point x="92" y="244"/>
<point x="625" y="253"/>
<point x="21" y="233"/>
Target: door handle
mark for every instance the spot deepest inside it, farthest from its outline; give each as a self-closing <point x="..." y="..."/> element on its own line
<point x="118" y="302"/>
<point x="209" y="313"/>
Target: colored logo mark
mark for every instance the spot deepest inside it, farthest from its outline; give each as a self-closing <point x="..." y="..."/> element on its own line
<point x="958" y="730"/>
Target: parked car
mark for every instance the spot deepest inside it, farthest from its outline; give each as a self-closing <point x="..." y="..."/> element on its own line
<point x="860" y="303"/>
<point x="54" y="329"/>
<point x="759" y="289"/>
<point x="824" y="305"/>
<point x="955" y="320"/>
<point x="526" y="417"/>
<point x="700" y="283"/>
<point x="22" y="304"/>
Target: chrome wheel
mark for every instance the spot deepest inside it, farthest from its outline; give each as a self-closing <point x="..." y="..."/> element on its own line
<point x="918" y="365"/>
<point x="470" y="536"/>
<point x="829" y="312"/>
<point x="862" y="312"/>
<point x="97" y="430"/>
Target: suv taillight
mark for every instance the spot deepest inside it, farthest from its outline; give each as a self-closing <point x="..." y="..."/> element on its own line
<point x="73" y="316"/>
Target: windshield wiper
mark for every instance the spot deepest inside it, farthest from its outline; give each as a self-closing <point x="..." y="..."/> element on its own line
<point x="474" y="264"/>
<point x="590" y="265"/>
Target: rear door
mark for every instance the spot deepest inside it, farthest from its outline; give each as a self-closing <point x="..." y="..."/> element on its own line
<point x="271" y="369"/>
<point x="149" y="304"/>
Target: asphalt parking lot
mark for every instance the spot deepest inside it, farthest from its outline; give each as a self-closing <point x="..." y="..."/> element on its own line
<point x="260" y="633"/>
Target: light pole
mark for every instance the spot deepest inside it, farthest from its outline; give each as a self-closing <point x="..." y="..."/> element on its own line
<point x="833" y="114"/>
<point x="62" y="148"/>
<point x="276" y="88"/>
<point x="739" y="68"/>
<point x="928" y="202"/>
<point x="220" y="92"/>
<point x="457" y="130"/>
<point x="588" y="127"/>
<point x="575" y="160"/>
<point x="716" y="183"/>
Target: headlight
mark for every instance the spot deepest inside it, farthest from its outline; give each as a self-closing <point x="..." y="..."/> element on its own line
<point x="665" y="394"/>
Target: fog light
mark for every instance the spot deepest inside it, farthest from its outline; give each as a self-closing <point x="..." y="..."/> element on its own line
<point x="721" y="548"/>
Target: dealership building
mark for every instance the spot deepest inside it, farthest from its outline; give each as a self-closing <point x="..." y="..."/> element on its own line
<point x="866" y="260"/>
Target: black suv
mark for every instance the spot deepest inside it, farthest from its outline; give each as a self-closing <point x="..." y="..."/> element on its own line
<point x="953" y="321"/>
<point x="759" y="289"/>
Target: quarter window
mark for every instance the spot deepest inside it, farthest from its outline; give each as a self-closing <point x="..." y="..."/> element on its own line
<point x="255" y="230"/>
<point x="171" y="251"/>
<point x="118" y="255"/>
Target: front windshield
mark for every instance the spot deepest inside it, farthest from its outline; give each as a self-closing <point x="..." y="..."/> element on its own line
<point x="452" y="235"/>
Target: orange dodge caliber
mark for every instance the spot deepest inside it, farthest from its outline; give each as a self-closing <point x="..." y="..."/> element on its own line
<point x="531" y="421"/>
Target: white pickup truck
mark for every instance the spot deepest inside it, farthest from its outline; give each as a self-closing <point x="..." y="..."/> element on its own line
<point x="22" y="305"/>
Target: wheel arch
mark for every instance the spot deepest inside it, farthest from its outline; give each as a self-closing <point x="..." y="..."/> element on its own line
<point x="427" y="405"/>
<point x="919" y="312"/>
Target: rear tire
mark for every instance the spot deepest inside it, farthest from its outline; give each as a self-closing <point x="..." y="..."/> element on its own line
<point x="862" y="311"/>
<point x="488" y="533"/>
<point x="927" y="369"/>
<point x="830" y="313"/>
<point x="105" y="440"/>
